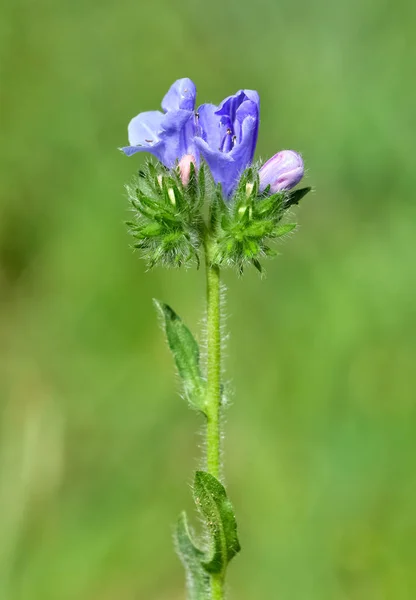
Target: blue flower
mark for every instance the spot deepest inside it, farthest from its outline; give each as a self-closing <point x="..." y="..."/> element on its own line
<point x="227" y="136"/>
<point x="168" y="135"/>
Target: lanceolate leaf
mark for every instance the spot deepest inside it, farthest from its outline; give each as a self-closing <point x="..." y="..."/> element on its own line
<point x="211" y="499"/>
<point x="185" y="351"/>
<point x="196" y="577"/>
<point x="296" y="196"/>
<point x="283" y="229"/>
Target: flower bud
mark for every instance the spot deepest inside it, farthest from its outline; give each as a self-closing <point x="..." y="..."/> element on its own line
<point x="249" y="189"/>
<point x="185" y="167"/>
<point x="171" y="195"/>
<point x="282" y="172"/>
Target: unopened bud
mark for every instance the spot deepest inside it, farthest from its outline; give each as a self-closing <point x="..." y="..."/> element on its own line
<point x="282" y="172"/>
<point x="171" y="195"/>
<point x="249" y="189"/>
<point x="185" y="167"/>
<point x="160" y="180"/>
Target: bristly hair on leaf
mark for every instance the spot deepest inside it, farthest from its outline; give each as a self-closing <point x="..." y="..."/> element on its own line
<point x="167" y="219"/>
<point x="169" y="224"/>
<point x="245" y="225"/>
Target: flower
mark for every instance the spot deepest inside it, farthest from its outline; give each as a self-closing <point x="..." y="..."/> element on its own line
<point x="282" y="172"/>
<point x="227" y="136"/>
<point x="167" y="135"/>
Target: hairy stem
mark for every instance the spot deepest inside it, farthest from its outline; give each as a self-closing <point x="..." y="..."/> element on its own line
<point x="217" y="587"/>
<point x="213" y="397"/>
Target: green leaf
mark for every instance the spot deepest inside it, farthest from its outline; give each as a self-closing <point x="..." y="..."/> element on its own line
<point x="211" y="499"/>
<point x="197" y="579"/>
<point x="257" y="264"/>
<point x="296" y="196"/>
<point x="185" y="351"/>
<point x="283" y="229"/>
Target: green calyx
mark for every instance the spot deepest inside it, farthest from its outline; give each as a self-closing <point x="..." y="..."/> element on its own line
<point x="172" y="221"/>
<point x="167" y="217"/>
<point x="245" y="227"/>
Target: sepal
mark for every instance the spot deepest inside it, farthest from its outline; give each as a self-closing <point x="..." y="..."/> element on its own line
<point x="296" y="196"/>
<point x="169" y="211"/>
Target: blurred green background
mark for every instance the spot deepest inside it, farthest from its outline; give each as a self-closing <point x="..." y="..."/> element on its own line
<point x="97" y="449"/>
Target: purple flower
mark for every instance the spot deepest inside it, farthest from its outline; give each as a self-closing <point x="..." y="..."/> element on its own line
<point x="168" y="135"/>
<point x="227" y="136"/>
<point x="282" y="172"/>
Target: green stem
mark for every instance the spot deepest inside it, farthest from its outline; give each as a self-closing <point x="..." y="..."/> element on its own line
<point x="217" y="587"/>
<point x="213" y="397"/>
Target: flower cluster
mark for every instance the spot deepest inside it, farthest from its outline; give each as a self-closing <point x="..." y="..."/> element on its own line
<point x="223" y="138"/>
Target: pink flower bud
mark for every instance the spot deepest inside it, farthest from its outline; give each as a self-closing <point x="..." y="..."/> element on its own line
<point x="185" y="167"/>
<point x="282" y="172"/>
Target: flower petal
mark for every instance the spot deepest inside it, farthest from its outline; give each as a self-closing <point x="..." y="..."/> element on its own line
<point x="157" y="150"/>
<point x="243" y="152"/>
<point x="230" y="105"/>
<point x="253" y="96"/>
<point x="167" y="136"/>
<point x="181" y="94"/>
<point x="209" y="125"/>
<point x="145" y="127"/>
<point x="178" y="131"/>
<point x="223" y="168"/>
